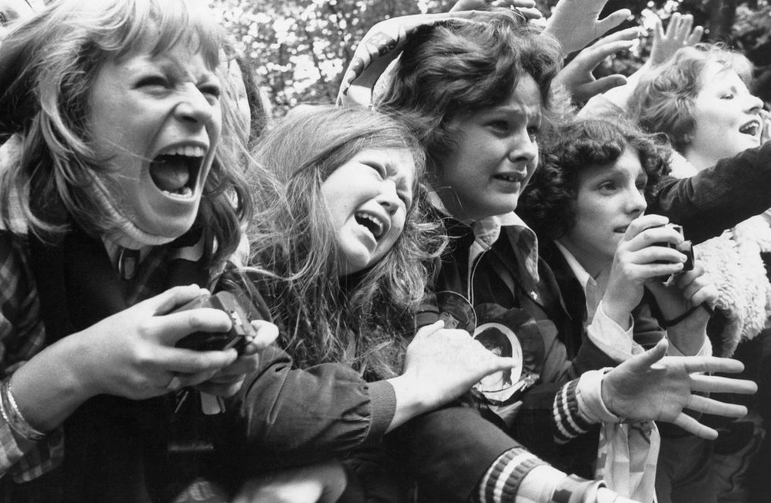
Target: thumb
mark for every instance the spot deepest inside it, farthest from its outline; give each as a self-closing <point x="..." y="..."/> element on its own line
<point x="604" y="84"/>
<point x="502" y="363"/>
<point x="429" y="329"/>
<point x="612" y="20"/>
<point x="267" y="333"/>
<point x="648" y="359"/>
<point x="174" y="298"/>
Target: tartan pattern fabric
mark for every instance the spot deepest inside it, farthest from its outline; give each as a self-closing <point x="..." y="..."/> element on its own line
<point x="22" y="336"/>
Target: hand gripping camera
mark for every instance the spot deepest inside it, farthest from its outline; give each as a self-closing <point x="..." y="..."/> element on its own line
<point x="237" y="337"/>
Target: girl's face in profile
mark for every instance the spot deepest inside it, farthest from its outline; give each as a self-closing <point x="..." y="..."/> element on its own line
<point x="609" y="197"/>
<point x="368" y="198"/>
<point x="495" y="157"/>
<point x="156" y="120"/>
<point x="726" y="115"/>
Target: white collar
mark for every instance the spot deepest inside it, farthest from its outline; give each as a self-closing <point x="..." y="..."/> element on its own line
<point x="580" y="273"/>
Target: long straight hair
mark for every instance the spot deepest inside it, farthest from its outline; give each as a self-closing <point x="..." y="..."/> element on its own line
<point x="360" y="319"/>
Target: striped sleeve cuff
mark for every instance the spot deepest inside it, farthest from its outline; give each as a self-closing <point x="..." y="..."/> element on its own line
<point x="502" y="480"/>
<point x="569" y="420"/>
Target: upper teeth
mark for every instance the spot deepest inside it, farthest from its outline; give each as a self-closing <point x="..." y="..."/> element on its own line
<point x="377" y="224"/>
<point x="750" y="128"/>
<point x="187" y="150"/>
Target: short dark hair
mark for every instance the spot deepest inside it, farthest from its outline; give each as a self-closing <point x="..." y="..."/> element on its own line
<point x="458" y="66"/>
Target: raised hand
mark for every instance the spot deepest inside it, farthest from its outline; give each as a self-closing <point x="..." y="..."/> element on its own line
<point x="575" y="23"/>
<point x="440" y="365"/>
<point x="319" y="483"/>
<point x="377" y="49"/>
<point x="654" y="387"/>
<point x="577" y="77"/>
<point x="677" y="36"/>
<point x="526" y="7"/>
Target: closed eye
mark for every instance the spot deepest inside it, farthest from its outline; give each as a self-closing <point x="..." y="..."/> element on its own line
<point x="406" y="199"/>
<point x="380" y="170"/>
<point x="153" y="81"/>
<point x="212" y="90"/>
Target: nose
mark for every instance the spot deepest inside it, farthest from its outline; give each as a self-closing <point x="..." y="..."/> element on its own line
<point x="636" y="203"/>
<point x="194" y="108"/>
<point x="754" y="104"/>
<point x="389" y="197"/>
<point x="523" y="148"/>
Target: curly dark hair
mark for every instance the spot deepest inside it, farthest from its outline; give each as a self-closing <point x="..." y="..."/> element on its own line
<point x="546" y="204"/>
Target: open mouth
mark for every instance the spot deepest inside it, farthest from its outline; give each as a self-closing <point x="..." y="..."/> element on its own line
<point x="175" y="171"/>
<point x="371" y="223"/>
<point x="751" y="128"/>
<point x="621" y="230"/>
<point x="511" y="178"/>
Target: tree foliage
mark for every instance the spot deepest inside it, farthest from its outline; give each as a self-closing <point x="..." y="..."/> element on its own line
<point x="299" y="48"/>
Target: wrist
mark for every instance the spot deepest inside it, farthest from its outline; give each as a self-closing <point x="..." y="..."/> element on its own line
<point x="409" y="400"/>
<point x="617" y="312"/>
<point x="47" y="388"/>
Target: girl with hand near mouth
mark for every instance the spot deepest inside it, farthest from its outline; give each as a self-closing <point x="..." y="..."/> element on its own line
<point x="120" y="205"/>
<point x="586" y="203"/>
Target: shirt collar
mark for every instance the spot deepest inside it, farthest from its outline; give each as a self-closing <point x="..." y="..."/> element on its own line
<point x="488" y="230"/>
<point x="578" y="270"/>
<point x="591" y="289"/>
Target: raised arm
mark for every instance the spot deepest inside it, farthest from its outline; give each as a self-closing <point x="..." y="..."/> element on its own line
<point x="575" y="23"/>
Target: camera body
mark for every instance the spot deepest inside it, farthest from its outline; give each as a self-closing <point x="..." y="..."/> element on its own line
<point x="686" y="248"/>
<point x="238" y="335"/>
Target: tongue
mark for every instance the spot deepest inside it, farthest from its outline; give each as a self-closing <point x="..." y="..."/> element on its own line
<point x="170" y="173"/>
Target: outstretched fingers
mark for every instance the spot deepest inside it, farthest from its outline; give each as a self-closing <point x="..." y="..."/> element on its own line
<point x="718" y="384"/>
<point x="612" y="20"/>
<point x="691" y="425"/>
<point x="710" y="364"/>
<point x="707" y="405"/>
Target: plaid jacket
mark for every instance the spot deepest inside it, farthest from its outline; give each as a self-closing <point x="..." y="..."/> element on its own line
<point x="22" y="336"/>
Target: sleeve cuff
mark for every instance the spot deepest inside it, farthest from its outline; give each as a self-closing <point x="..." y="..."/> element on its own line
<point x="569" y="420"/>
<point x="610" y="338"/>
<point x="383" y="405"/>
<point x="502" y="480"/>
<point x="706" y="349"/>
<point x="589" y="397"/>
<point x="10" y="453"/>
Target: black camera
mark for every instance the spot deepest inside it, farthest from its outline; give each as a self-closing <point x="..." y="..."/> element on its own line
<point x="686" y="248"/>
<point x="238" y="335"/>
